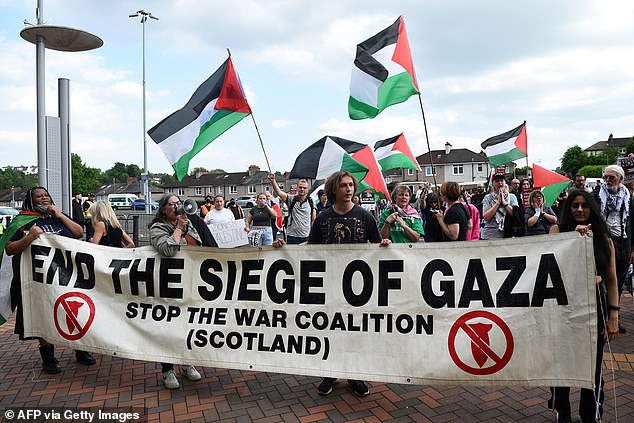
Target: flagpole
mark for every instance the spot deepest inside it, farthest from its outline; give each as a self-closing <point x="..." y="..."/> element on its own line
<point x="258" y="132"/>
<point x="527" y="165"/>
<point x="431" y="160"/>
<point x="261" y="143"/>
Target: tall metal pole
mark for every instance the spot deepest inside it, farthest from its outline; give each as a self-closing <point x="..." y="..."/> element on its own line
<point x="42" y="172"/>
<point x="144" y="177"/>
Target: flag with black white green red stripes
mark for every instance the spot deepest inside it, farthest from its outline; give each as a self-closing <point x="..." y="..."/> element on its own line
<point x="383" y="73"/>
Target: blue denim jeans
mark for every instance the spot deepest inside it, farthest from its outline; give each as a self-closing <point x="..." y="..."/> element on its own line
<point x="266" y="236"/>
<point x="295" y="239"/>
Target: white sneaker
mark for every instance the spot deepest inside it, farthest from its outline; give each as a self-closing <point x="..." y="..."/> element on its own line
<point x="190" y="373"/>
<point x="170" y="381"/>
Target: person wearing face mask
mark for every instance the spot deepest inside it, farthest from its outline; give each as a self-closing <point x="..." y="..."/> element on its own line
<point x="39" y="215"/>
<point x="617" y="208"/>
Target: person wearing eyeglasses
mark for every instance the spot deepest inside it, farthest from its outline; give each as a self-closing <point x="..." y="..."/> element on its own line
<point x="617" y="208"/>
<point x="169" y="231"/>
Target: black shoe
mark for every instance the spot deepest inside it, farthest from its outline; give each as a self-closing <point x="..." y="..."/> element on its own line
<point x="49" y="363"/>
<point x="84" y="357"/>
<point x="325" y="387"/>
<point x="622" y="329"/>
<point x="359" y="387"/>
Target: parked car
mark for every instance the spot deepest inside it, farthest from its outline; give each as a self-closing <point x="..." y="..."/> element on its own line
<point x="122" y="201"/>
<point x="139" y="204"/>
<point x="246" y="201"/>
<point x="6" y="214"/>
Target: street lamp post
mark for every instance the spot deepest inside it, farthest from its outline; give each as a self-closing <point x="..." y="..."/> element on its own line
<point x="144" y="177"/>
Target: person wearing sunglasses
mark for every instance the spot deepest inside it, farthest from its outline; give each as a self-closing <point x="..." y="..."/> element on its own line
<point x="169" y="230"/>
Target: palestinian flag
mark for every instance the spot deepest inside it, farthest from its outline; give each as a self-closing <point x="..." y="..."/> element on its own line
<point x="217" y="105"/>
<point x="394" y="153"/>
<point x="507" y="147"/>
<point x="551" y="183"/>
<point x="325" y="157"/>
<point x="383" y="73"/>
<point x="331" y="154"/>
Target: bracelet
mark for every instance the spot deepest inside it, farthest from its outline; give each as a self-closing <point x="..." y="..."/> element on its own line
<point x="613" y="307"/>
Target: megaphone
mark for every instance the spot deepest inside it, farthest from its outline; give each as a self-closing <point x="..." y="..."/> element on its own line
<point x="189" y="206"/>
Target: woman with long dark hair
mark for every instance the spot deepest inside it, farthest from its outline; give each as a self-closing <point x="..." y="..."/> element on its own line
<point x="170" y="229"/>
<point x="581" y="213"/>
<point x="39" y="215"/>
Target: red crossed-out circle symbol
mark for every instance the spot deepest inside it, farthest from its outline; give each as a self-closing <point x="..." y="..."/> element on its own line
<point x="478" y="334"/>
<point x="77" y="318"/>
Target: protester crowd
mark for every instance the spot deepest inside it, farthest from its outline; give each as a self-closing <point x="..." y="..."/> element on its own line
<point x="447" y="214"/>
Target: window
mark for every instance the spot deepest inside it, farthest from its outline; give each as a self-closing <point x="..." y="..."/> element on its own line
<point x="281" y="187"/>
<point x="622" y="150"/>
<point x="220" y="190"/>
<point x="410" y="172"/>
<point x="233" y="189"/>
<point x="251" y="189"/>
<point x="428" y="171"/>
<point x="181" y="192"/>
<point x="458" y="169"/>
<point x="210" y="190"/>
<point x="267" y="188"/>
<point x="507" y="169"/>
<point x="199" y="191"/>
<point x="480" y="167"/>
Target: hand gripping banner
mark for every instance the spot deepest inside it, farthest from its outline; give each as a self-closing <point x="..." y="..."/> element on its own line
<point x="511" y="312"/>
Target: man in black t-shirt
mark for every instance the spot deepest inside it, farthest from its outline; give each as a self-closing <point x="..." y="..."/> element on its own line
<point x="343" y="223"/>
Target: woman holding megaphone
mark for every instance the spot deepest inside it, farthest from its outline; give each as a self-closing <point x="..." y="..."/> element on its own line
<point x="170" y="229"/>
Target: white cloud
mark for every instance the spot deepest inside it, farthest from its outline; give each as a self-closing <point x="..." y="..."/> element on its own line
<point x="280" y="123"/>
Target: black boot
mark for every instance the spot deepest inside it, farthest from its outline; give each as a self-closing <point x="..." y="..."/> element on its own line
<point x="84" y="357"/>
<point x="49" y="362"/>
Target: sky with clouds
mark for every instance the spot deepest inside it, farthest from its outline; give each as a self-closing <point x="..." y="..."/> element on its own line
<point x="566" y="67"/>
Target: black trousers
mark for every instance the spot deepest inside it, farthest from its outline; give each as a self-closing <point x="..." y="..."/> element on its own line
<point x="591" y="400"/>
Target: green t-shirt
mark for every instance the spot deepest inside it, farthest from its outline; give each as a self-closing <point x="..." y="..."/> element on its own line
<point x="397" y="234"/>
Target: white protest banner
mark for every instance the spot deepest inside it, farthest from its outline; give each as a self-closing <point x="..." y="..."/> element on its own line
<point x="518" y="311"/>
<point x="229" y="234"/>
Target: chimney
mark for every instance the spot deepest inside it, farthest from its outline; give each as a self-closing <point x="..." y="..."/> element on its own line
<point x="447" y="147"/>
<point x="200" y="172"/>
<point x="253" y="169"/>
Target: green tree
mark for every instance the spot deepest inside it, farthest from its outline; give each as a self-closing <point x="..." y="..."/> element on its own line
<point x="167" y="179"/>
<point x="630" y="146"/>
<point x="217" y="171"/>
<point x="85" y="179"/>
<point x="607" y="157"/>
<point x="120" y="172"/>
<point x="591" y="171"/>
<point x="574" y="158"/>
<point x="11" y="177"/>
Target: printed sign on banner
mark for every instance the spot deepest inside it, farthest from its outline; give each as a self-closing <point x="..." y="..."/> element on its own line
<point x="627" y="163"/>
<point x="448" y="313"/>
<point x="229" y="234"/>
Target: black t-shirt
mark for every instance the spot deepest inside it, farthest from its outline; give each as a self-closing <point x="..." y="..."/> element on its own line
<point x="260" y="216"/>
<point x="355" y="227"/>
<point x="113" y="237"/>
<point x="458" y="214"/>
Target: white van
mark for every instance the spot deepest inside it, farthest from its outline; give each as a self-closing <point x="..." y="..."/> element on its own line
<point x="121" y="201"/>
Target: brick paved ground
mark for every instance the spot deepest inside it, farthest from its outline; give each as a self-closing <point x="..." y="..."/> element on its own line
<point x="240" y="396"/>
